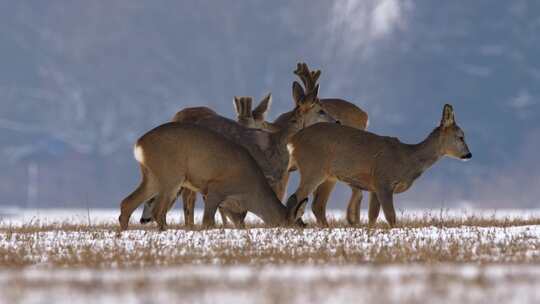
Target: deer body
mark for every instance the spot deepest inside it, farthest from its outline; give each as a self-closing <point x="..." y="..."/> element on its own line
<point x="349" y="115"/>
<point x="176" y="155"/>
<point x="379" y="164"/>
<point x="346" y="112"/>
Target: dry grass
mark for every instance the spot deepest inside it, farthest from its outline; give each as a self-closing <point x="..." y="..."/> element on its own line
<point x="453" y="259"/>
<point x="439" y="219"/>
<point x="423" y="238"/>
<point x="99" y="247"/>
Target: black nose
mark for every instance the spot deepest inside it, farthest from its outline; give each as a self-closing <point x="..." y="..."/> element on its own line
<point x="467" y="156"/>
<point x="338" y="122"/>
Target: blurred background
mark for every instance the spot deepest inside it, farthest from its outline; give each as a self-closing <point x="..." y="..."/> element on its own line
<point x="80" y="81"/>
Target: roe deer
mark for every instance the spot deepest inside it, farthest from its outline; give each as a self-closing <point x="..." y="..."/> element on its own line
<point x="245" y="116"/>
<point x="270" y="149"/>
<point x="382" y="165"/>
<point x="349" y="115"/>
<point x="176" y="155"/>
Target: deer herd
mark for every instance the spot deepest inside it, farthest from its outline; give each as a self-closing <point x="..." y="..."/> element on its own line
<point x="244" y="165"/>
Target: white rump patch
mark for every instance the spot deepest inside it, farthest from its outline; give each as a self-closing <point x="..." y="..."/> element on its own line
<point x="138" y="153"/>
<point x="290" y="148"/>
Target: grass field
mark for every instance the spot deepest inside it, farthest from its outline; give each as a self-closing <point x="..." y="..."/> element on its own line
<point x="442" y="256"/>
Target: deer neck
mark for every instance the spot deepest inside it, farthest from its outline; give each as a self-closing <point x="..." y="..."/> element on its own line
<point x="427" y="152"/>
<point x="285" y="128"/>
<point x="278" y="153"/>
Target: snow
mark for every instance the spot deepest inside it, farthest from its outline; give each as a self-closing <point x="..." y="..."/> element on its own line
<point x="436" y="264"/>
<point x="278" y="284"/>
<point x="17" y="216"/>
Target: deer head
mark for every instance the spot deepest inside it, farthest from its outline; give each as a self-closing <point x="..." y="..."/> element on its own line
<point x="308" y="110"/>
<point x="452" y="140"/>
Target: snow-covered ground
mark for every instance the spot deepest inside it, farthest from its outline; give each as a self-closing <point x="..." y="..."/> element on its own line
<point x="16" y="216"/>
<point x="430" y="263"/>
<point x="277" y="284"/>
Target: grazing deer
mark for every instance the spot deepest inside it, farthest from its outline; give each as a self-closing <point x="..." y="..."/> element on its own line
<point x="245" y="116"/>
<point x="349" y="115"/>
<point x="269" y="149"/>
<point x="176" y="155"/>
<point x="379" y="164"/>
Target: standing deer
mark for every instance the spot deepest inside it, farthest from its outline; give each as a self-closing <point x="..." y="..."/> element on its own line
<point x="245" y="116"/>
<point x="178" y="155"/>
<point x="349" y="115"/>
<point x="269" y="149"/>
<point x="379" y="164"/>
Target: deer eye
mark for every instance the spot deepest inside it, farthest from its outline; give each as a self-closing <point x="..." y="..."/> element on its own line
<point x="321" y="112"/>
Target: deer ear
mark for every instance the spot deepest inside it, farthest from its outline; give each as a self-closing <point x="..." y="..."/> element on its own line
<point x="298" y="93"/>
<point x="447" y="116"/>
<point x="259" y="113"/>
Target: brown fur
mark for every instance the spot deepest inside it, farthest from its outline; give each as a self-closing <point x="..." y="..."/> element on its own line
<point x="379" y="164"/>
<point x="349" y="115"/>
<point x="176" y="155"/>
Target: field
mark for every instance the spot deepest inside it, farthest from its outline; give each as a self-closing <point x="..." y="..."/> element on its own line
<point x="440" y="256"/>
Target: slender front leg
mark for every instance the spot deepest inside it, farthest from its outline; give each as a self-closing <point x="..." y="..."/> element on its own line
<point x="353" y="209"/>
<point x="189" y="198"/>
<point x="386" y="200"/>
<point x="210" y="208"/>
<point x="320" y="200"/>
<point x="162" y="202"/>
<point x="374" y="208"/>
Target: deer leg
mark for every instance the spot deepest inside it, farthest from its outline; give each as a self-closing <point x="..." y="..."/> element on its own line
<point x="162" y="202"/>
<point x="296" y="204"/>
<point x="189" y="197"/>
<point x="353" y="209"/>
<point x="143" y="193"/>
<point x="320" y="200"/>
<point x="374" y="208"/>
<point x="210" y="207"/>
<point x="386" y="200"/>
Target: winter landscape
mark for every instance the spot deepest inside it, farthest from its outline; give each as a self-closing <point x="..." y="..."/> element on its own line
<point x="444" y="256"/>
<point x="434" y="84"/>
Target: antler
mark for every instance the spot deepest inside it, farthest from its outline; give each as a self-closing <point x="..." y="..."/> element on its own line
<point x="308" y="78"/>
<point x="242" y="105"/>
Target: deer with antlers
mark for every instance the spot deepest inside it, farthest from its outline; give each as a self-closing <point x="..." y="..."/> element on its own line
<point x="349" y="115"/>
